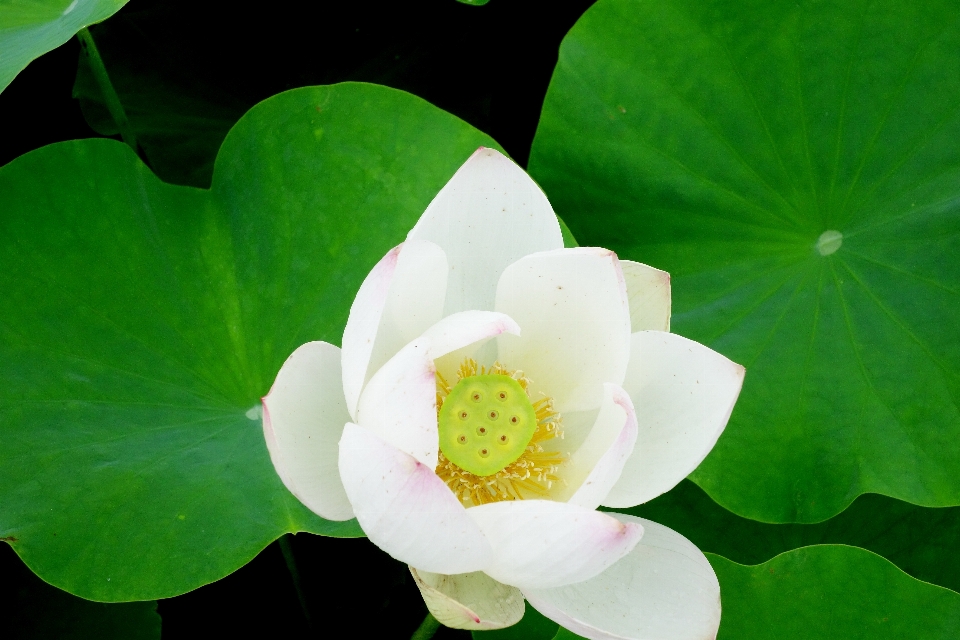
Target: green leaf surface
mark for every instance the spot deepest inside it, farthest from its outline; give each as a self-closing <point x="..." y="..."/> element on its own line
<point x="30" y="28"/>
<point x="533" y="626"/>
<point x="568" y="240"/>
<point x="144" y="321"/>
<point x="720" y="141"/>
<point x="828" y="592"/>
<point x="35" y="610"/>
<point x="831" y="591"/>
<point x="919" y="540"/>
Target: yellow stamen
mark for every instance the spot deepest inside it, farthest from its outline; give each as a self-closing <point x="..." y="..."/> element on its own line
<point x="532" y="475"/>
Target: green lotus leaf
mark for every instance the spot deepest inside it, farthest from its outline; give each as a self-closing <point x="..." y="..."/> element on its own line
<point x="828" y="591"/>
<point x="831" y="591"/>
<point x="794" y="166"/>
<point x="30" y="28"/>
<point x="919" y="540"/>
<point x="35" y="610"/>
<point x="143" y="322"/>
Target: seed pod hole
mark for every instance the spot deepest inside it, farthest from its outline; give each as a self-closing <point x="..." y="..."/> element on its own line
<point x="477" y="397"/>
<point x="484" y="453"/>
<point x="502" y="395"/>
<point x="503" y="439"/>
<point x="481" y="431"/>
<point x="493" y="415"/>
<point x="462" y="439"/>
<point x="463" y="415"/>
<point x="514" y="420"/>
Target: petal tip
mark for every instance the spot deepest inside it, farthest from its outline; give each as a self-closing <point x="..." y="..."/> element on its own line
<point x="509" y="325"/>
<point x="631" y="531"/>
<point x="484" y="151"/>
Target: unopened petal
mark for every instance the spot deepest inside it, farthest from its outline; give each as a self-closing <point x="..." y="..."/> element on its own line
<point x="684" y="393"/>
<point x="572" y="306"/>
<point x="486" y="217"/>
<point x="541" y="543"/>
<point x="472" y="601"/>
<point x="665" y="588"/>
<point x="405" y="509"/>
<point x="593" y="470"/>
<point x="648" y="290"/>
<point x="303" y="418"/>
<point x="399" y="403"/>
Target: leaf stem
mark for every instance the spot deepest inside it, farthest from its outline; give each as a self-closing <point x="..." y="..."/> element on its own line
<point x="426" y="629"/>
<point x="287" y="551"/>
<point x="110" y="97"/>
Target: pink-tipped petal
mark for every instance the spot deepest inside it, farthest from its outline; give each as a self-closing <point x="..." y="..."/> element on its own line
<point x="414" y="300"/>
<point x="399" y="403"/>
<point x="467" y="328"/>
<point x="684" y="393"/>
<point x="405" y="509"/>
<point x="649" y="292"/>
<point x="572" y="305"/>
<point x="541" y="543"/>
<point x="665" y="588"/>
<point x="489" y="215"/>
<point x="472" y="601"/>
<point x="593" y="470"/>
<point x="362" y="324"/>
<point x="303" y="418"/>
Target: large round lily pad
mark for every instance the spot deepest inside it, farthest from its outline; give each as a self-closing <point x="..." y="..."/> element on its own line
<point x="795" y="166"/>
<point x="142" y="322"/>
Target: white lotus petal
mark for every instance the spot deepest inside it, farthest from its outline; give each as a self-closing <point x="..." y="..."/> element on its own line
<point x="405" y="509"/>
<point x="399" y="403"/>
<point x="593" y="470"/>
<point x="541" y="543"/>
<point x="649" y="292"/>
<point x="684" y="393"/>
<point x="665" y="588"/>
<point x="303" y="417"/>
<point x="473" y="601"/>
<point x="465" y="328"/>
<point x="487" y="216"/>
<point x="362" y="324"/>
<point x="572" y="306"/>
<point x="414" y="300"/>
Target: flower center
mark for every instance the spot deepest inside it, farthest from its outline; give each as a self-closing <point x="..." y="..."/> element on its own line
<point x="495" y="444"/>
<point x="486" y="423"/>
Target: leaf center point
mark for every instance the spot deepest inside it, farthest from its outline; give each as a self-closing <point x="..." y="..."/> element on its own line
<point x="829" y="241"/>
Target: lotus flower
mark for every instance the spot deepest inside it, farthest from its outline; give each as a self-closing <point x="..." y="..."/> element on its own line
<point x="493" y="390"/>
